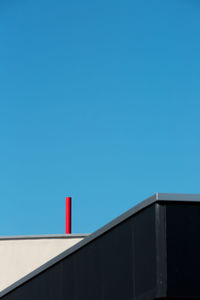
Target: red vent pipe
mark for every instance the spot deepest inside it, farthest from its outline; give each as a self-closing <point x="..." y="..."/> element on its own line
<point x="68" y="215"/>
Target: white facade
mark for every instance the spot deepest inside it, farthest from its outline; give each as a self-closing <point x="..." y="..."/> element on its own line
<point x="21" y="255"/>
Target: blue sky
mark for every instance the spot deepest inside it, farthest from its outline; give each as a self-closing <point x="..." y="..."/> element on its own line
<point x="99" y="100"/>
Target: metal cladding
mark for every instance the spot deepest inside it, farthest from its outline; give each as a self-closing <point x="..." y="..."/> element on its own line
<point x="150" y="252"/>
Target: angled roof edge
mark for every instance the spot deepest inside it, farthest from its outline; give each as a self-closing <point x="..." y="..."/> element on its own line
<point x="157" y="197"/>
<point x="43" y="236"/>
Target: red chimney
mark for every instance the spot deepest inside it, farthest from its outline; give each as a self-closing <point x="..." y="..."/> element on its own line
<point x="68" y="215"/>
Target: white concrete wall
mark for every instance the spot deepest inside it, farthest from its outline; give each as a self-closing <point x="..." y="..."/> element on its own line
<point x="20" y="256"/>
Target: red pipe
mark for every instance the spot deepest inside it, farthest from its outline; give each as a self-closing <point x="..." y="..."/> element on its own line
<point x="68" y="215"/>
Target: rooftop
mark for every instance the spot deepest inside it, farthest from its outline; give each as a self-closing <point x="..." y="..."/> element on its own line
<point x="86" y="239"/>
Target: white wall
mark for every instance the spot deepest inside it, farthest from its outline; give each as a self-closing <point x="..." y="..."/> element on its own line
<point x="20" y="256"/>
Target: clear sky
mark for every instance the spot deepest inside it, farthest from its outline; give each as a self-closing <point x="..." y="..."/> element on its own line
<point x="99" y="100"/>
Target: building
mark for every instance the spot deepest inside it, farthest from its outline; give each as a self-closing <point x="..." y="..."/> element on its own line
<point x="149" y="252"/>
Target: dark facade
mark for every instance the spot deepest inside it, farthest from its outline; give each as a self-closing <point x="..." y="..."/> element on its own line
<point x="151" y="252"/>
